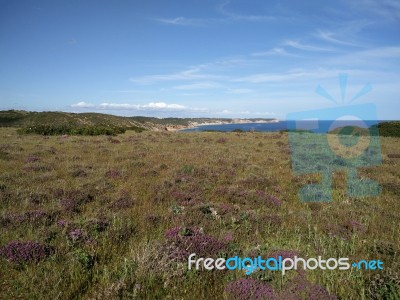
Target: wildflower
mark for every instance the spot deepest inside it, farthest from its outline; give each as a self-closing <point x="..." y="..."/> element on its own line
<point x="187" y="240"/>
<point x="248" y="289"/>
<point x="31" y="159"/>
<point x="77" y="235"/>
<point x="20" y="252"/>
<point x="114" y="174"/>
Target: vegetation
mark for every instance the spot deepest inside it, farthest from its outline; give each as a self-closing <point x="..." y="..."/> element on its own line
<point x="389" y="129"/>
<point x="94" y="217"/>
<point x="76" y="130"/>
<point x="56" y="123"/>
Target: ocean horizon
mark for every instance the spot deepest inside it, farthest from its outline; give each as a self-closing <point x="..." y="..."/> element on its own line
<point x="316" y="126"/>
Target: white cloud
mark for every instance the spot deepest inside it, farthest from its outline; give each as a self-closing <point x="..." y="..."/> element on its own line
<point x="82" y="105"/>
<point x="267" y="113"/>
<point x="162" y="105"/>
<point x="151" y="105"/>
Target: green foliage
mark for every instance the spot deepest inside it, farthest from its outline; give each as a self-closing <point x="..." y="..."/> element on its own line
<point x="58" y="123"/>
<point x="187" y="169"/>
<point x="389" y="129"/>
<point x="85" y="259"/>
<point x="72" y="130"/>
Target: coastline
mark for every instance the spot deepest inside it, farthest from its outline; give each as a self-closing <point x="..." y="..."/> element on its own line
<point x="192" y="125"/>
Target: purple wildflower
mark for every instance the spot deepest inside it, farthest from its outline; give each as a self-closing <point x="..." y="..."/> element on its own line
<point x="249" y="289"/>
<point x="121" y="203"/>
<point x="270" y="199"/>
<point x="33" y="217"/>
<point x="274" y="200"/>
<point x="172" y="233"/>
<point x="114" y="174"/>
<point x="77" y="235"/>
<point x="225" y="208"/>
<point x="228" y="237"/>
<point x="31" y="159"/>
<point x="187" y="240"/>
<point x="20" y="252"/>
<point x="62" y="223"/>
<point x="260" y="194"/>
<point x="114" y="141"/>
<point x="222" y="140"/>
<point x="300" y="288"/>
<point x="36" y="215"/>
<point x="70" y="204"/>
<point x="271" y="220"/>
<point x="355" y="226"/>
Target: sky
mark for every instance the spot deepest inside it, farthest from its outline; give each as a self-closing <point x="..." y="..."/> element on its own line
<point x="199" y="58"/>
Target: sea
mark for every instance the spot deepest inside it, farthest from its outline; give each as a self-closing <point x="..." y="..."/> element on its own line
<point x="319" y="126"/>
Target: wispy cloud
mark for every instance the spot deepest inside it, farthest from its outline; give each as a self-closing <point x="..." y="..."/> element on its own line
<point x="190" y="74"/>
<point x="331" y="38"/>
<point x="258" y="113"/>
<point x="374" y="57"/>
<point x="246" y="114"/>
<point x="223" y="9"/>
<point x="198" y="86"/>
<point x="182" y="21"/>
<point x="280" y="51"/>
<point x="289" y="76"/>
<point x="387" y="10"/>
<point x="239" y="91"/>
<point x="226" y="16"/>
<point x="305" y="47"/>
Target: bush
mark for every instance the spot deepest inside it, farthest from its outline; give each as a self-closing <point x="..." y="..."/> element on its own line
<point x="75" y="130"/>
<point x="389" y="129"/>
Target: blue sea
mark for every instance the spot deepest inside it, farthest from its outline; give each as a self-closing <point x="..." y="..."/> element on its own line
<point x="315" y="126"/>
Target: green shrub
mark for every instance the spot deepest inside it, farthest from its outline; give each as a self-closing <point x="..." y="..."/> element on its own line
<point x="74" y="130"/>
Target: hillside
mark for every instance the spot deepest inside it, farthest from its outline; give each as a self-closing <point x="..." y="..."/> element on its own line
<point x="60" y="122"/>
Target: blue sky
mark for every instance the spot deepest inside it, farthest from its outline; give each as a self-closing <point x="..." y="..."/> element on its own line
<point x="191" y="58"/>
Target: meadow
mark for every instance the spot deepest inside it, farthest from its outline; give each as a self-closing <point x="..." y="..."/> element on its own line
<point x="115" y="217"/>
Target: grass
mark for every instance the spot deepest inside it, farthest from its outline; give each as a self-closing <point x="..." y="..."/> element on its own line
<point x="118" y="213"/>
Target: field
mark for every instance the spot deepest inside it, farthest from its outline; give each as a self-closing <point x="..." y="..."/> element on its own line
<point x="97" y="217"/>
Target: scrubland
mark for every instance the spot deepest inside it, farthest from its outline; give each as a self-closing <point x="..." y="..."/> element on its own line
<point x="116" y="217"/>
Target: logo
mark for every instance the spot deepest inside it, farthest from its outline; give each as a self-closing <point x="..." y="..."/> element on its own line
<point x="342" y="138"/>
